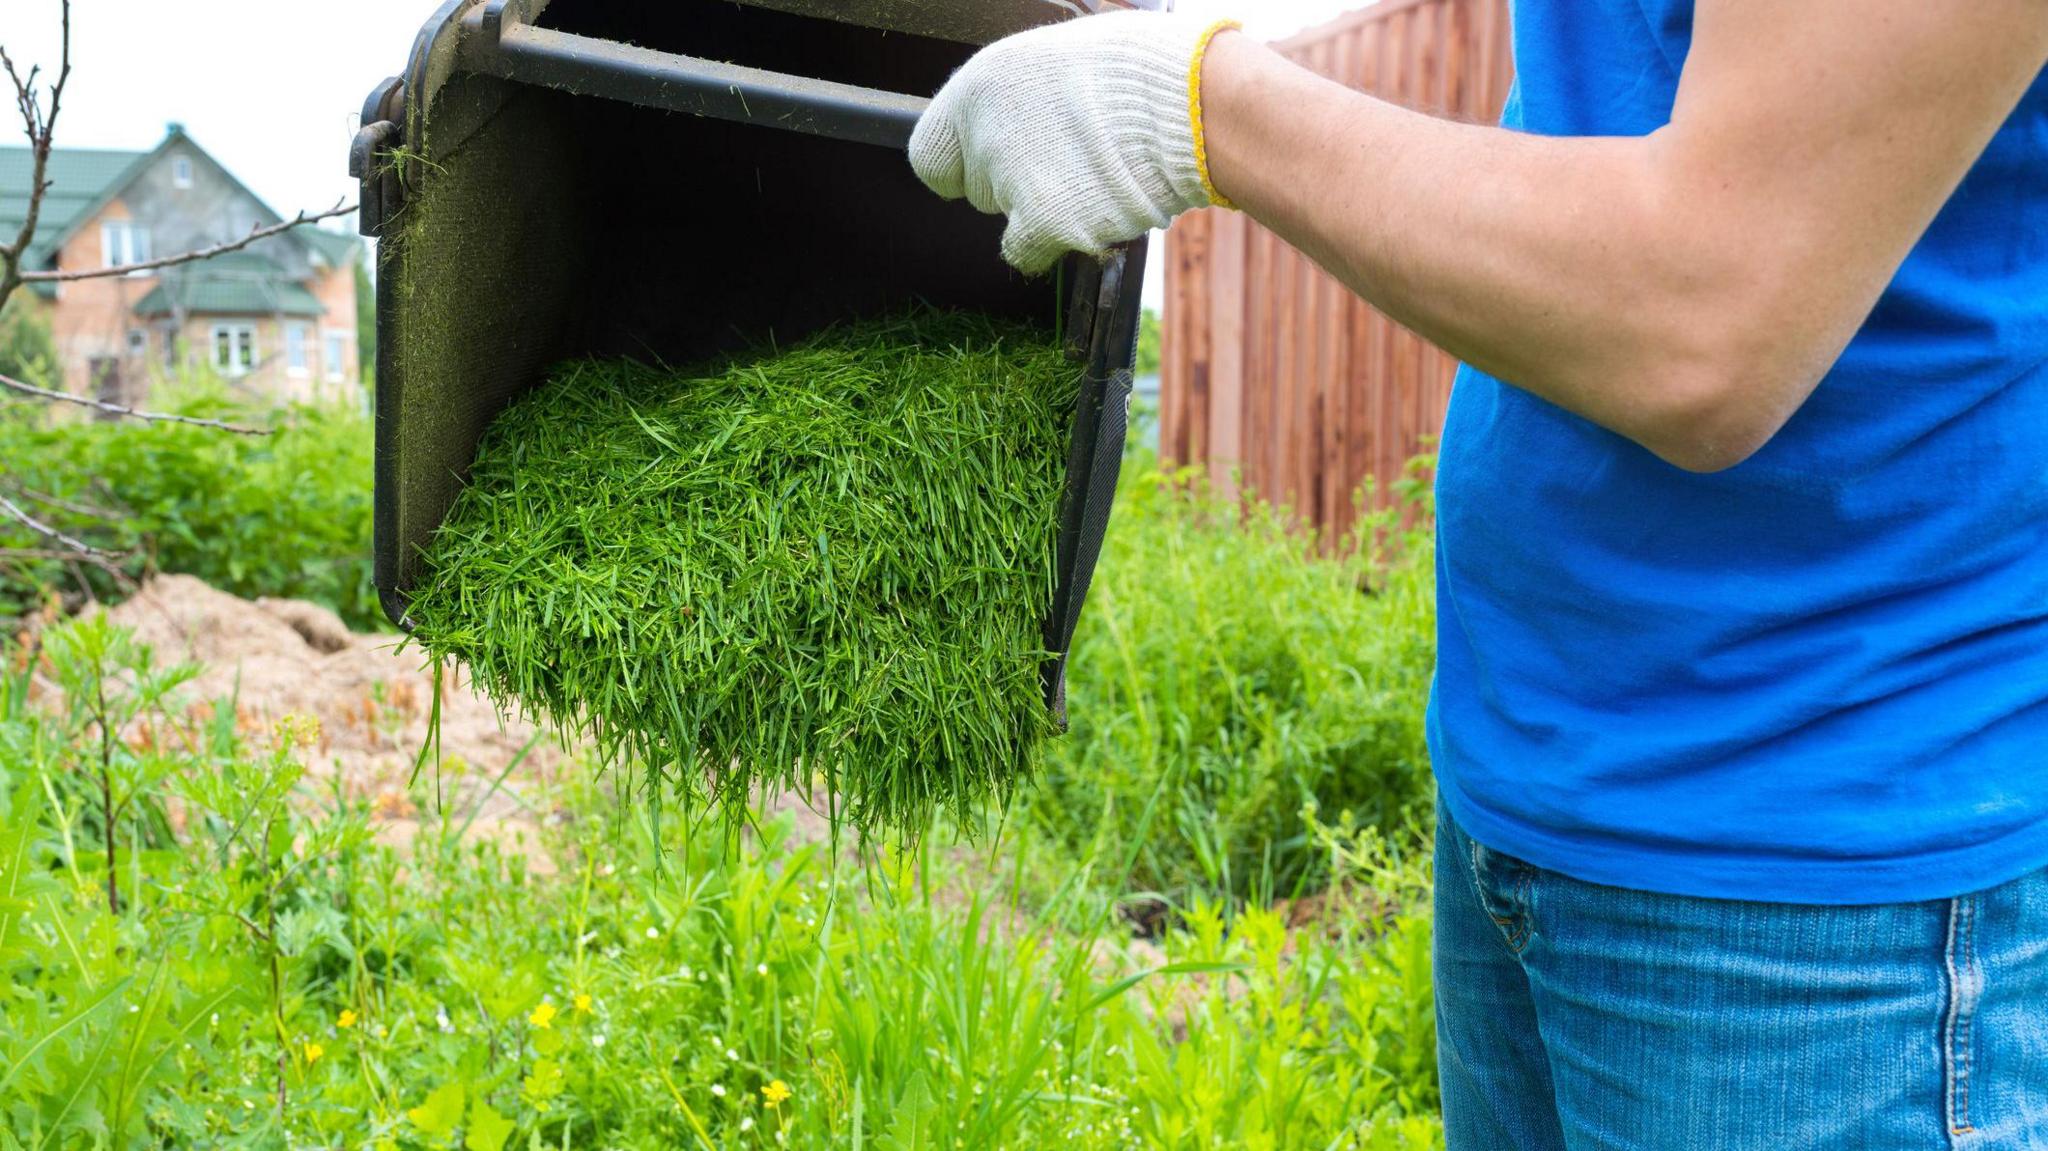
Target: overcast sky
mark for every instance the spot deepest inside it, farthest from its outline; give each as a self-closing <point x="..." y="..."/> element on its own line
<point x="273" y="89"/>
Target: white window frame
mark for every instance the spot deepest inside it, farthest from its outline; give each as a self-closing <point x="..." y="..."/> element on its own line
<point x="123" y="241"/>
<point x="334" y="367"/>
<point x="298" y="353"/>
<point x="138" y="343"/>
<point x="181" y="171"/>
<point x="240" y="359"/>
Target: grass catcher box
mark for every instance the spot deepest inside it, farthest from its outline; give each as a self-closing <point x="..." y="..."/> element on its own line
<point x="552" y="179"/>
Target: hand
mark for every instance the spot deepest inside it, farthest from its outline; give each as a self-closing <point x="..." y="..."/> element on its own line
<point x="1085" y="133"/>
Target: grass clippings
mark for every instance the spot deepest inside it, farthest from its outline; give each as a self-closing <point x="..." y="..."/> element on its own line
<point x="823" y="567"/>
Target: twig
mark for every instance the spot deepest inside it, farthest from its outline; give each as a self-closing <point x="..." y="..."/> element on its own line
<point x="64" y="505"/>
<point x="41" y="554"/>
<point x="14" y="512"/>
<point x="132" y="413"/>
<point x="70" y="552"/>
<point x="255" y="234"/>
<point x="71" y="560"/>
<point x="41" y="126"/>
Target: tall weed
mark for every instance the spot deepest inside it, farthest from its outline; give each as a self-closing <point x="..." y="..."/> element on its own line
<point x="274" y="977"/>
<point x="1223" y="679"/>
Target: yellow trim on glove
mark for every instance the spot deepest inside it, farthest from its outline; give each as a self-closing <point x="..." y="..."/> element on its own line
<point x="1195" y="108"/>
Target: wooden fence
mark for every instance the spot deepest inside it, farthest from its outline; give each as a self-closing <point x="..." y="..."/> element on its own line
<point x="1271" y="371"/>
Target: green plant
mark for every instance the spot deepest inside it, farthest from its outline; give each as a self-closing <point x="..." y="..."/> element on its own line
<point x="276" y="977"/>
<point x="829" y="563"/>
<point x="366" y="321"/>
<point x="114" y="698"/>
<point x="27" y="350"/>
<point x="286" y="514"/>
<point x="1149" y="337"/>
<point x="103" y="1011"/>
<point x="1223" y="678"/>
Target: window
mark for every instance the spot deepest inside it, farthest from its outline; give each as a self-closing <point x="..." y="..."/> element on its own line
<point x="138" y="343"/>
<point x="123" y="242"/>
<point x="169" y="333"/>
<point x="334" y="358"/>
<point x="181" y="171"/>
<point x="234" y="348"/>
<point x="295" y="349"/>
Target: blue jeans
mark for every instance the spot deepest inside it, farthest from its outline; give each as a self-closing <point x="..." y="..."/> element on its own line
<point x="1572" y="1016"/>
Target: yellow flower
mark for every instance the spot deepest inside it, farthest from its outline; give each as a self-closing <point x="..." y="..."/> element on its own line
<point x="542" y="1016"/>
<point x="583" y="1003"/>
<point x="313" y="1052"/>
<point x="347" y="1020"/>
<point x="776" y="1092"/>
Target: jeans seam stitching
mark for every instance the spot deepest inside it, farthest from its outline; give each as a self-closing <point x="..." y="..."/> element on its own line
<point x="1968" y="1018"/>
<point x="1962" y="974"/>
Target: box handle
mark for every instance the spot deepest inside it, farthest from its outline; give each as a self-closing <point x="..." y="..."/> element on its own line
<point x="498" y="42"/>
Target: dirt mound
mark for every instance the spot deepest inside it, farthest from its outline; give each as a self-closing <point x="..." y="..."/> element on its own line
<point x="276" y="657"/>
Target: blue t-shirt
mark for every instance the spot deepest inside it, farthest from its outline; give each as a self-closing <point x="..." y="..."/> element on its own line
<point x="1820" y="676"/>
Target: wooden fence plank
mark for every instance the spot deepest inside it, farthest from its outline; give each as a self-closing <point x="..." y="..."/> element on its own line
<point x="1272" y="370"/>
<point x="1226" y="344"/>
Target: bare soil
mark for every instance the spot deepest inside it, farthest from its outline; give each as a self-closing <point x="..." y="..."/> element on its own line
<point x="277" y="657"/>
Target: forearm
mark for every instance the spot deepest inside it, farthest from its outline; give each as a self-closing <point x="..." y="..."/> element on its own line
<point x="1686" y="289"/>
<point x="1560" y="264"/>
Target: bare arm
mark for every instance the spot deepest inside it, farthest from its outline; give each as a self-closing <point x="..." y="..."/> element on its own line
<point x="1687" y="289"/>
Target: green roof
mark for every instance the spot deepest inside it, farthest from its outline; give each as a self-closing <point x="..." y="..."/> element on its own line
<point x="230" y="286"/>
<point x="84" y="179"/>
<point x="334" y="247"/>
<point x="80" y="180"/>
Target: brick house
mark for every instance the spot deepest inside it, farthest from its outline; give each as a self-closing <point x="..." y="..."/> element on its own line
<point x="276" y="319"/>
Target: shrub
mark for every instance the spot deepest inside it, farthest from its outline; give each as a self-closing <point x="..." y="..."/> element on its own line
<point x="1222" y="680"/>
<point x="27" y="350"/>
<point x="283" y="515"/>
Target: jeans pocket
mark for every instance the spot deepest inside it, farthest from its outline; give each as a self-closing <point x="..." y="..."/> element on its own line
<point x="1503" y="883"/>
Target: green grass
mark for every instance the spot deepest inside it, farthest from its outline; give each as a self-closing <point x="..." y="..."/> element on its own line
<point x="1223" y="680"/>
<point x="274" y="977"/>
<point x="1246" y="721"/>
<point x="827" y="564"/>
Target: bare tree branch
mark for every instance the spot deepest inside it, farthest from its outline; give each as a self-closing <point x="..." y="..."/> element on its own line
<point x="64" y="555"/>
<point x="13" y="557"/>
<point x="13" y="511"/>
<point x="64" y="505"/>
<point x="255" y="234"/>
<point x="39" y="122"/>
<point x="41" y="125"/>
<point x="131" y="413"/>
<point x="39" y="553"/>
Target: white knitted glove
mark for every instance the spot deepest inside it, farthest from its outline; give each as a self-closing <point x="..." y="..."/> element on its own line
<point x="1084" y="133"/>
